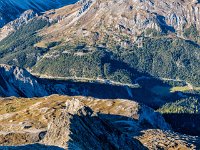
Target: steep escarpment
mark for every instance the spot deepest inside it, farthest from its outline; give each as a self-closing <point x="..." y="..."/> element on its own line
<point x="15" y="81"/>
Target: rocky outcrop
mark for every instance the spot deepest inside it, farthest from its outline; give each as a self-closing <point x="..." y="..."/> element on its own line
<point x="16" y="24"/>
<point x="158" y="139"/>
<point x="129" y="18"/>
<point x="85" y="5"/>
<point x="21" y="137"/>
<point x="12" y="9"/>
<point x="86" y="123"/>
<point x="15" y="81"/>
<point x="78" y="127"/>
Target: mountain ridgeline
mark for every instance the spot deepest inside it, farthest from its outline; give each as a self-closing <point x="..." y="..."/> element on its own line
<point x="11" y="9"/>
<point x="136" y="39"/>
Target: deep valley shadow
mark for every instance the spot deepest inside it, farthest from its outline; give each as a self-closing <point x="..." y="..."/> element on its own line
<point x="100" y="91"/>
<point x="142" y="94"/>
<point x="184" y="123"/>
<point x="31" y="147"/>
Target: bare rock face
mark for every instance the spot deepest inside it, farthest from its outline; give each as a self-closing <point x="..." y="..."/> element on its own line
<point x="158" y="139"/>
<point x="78" y="127"/>
<point x="16" y="24"/>
<point x="110" y="18"/>
<point x="21" y="137"/>
<point x="86" y="123"/>
<point x="85" y="5"/>
<point x="15" y="81"/>
<point x="12" y="9"/>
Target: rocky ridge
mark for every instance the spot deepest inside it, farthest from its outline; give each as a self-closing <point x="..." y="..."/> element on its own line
<point x="101" y="24"/>
<point x="78" y="127"/>
<point x="19" y="82"/>
<point x="17" y="23"/>
<point x="12" y="9"/>
<point x="69" y="123"/>
<point x="131" y="18"/>
<point x="158" y="139"/>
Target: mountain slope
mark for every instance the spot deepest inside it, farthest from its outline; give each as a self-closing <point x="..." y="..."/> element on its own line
<point x="146" y="51"/>
<point x="128" y="17"/>
<point x="157" y="42"/>
<point x="12" y="26"/>
<point x="80" y="128"/>
<point x="151" y="37"/>
<point x="18" y="82"/>
<point x="185" y="108"/>
<point x="112" y="40"/>
<point x="11" y="9"/>
<point x="85" y="123"/>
